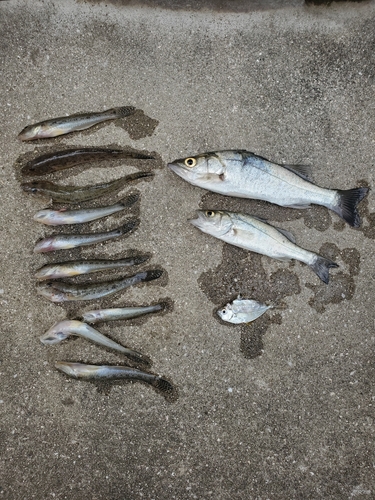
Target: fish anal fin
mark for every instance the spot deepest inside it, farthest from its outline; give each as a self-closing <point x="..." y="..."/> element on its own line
<point x="303" y="171"/>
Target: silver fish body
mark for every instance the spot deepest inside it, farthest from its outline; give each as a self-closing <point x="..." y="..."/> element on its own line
<point x="242" y="311"/>
<point x="253" y="234"/>
<point x="66" y="241"/>
<point x="118" y="313"/>
<point x="63" y="329"/>
<point x="66" y="124"/>
<point x="246" y="175"/>
<point x="105" y="372"/>
<point x="77" y="267"/>
<point x="60" y="291"/>
<point x="64" y="216"/>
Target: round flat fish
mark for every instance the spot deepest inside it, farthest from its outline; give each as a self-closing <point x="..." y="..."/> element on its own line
<point x="242" y="311"/>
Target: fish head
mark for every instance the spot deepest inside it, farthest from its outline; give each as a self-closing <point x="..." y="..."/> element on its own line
<point x="47" y="291"/>
<point x="201" y="170"/>
<point x="34" y="187"/>
<point x="46" y="217"/>
<point x="216" y="223"/>
<point x="68" y="368"/>
<point x="55" y="335"/>
<point x="226" y="313"/>
<point x="30" y="132"/>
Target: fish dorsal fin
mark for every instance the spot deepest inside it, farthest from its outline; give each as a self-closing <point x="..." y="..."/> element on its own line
<point x="303" y="171"/>
<point x="287" y="234"/>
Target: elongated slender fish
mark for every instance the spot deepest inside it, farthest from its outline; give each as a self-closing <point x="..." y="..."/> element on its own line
<point x="105" y="372"/>
<point x="72" y="123"/>
<point x="77" y="194"/>
<point x="59" y="291"/>
<point x="246" y="175"/>
<point x="253" y="234"/>
<point x="242" y="311"/>
<point x="63" y="216"/>
<point x="66" y="241"/>
<point x="76" y="267"/>
<point x="61" y="160"/>
<point x="63" y="329"/>
<point x="98" y="315"/>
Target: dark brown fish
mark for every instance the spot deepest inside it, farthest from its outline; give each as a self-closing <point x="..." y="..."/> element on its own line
<point x="61" y="160"/>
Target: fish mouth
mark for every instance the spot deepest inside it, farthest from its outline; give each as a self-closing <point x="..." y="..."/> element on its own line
<point x="199" y="222"/>
<point x="178" y="169"/>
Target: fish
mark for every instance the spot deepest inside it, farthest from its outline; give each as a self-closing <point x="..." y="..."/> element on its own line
<point x="77" y="267"/>
<point x="63" y="216"/>
<point x="256" y="235"/>
<point x="61" y="291"/>
<point x="63" y="329"/>
<point x="243" y="174"/>
<point x="96" y="316"/>
<point x="109" y="372"/>
<point x="72" y="123"/>
<point x="61" y="160"/>
<point x="78" y="194"/>
<point x="67" y="241"/>
<point x="242" y="311"/>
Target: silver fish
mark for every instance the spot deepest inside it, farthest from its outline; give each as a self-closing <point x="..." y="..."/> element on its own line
<point x="64" y="216"/>
<point x="60" y="291"/>
<point x="242" y="311"/>
<point x="254" y="234"/>
<point x="246" y="175"/>
<point x="96" y="316"/>
<point x="76" y="267"/>
<point x="63" y="329"/>
<point x="105" y="372"/>
<point x="66" y="124"/>
<point x="66" y="241"/>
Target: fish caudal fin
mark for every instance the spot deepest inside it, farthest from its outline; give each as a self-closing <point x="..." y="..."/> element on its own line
<point x="152" y="275"/>
<point x="347" y="205"/>
<point x="130" y="200"/>
<point x="139" y="259"/>
<point x="321" y="267"/>
<point x="129" y="226"/>
<point x="164" y="386"/>
<point x="124" y="111"/>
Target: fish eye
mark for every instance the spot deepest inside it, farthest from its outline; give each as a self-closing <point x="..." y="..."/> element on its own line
<point x="33" y="190"/>
<point x="190" y="162"/>
<point x="224" y="311"/>
<point x="210" y="213"/>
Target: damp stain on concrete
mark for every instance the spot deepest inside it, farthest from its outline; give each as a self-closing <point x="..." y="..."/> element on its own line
<point x="316" y="217"/>
<point x="138" y="125"/>
<point x="342" y="285"/>
<point x="367" y="218"/>
<point x="242" y="272"/>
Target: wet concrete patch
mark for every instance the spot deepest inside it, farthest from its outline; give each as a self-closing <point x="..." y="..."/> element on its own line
<point x="342" y="285"/>
<point x="316" y="217"/>
<point x="242" y="272"/>
<point x="138" y="125"/>
<point x="367" y="218"/>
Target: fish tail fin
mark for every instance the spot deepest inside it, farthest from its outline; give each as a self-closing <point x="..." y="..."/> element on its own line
<point x="123" y="111"/>
<point x="165" y="387"/>
<point x="152" y="275"/>
<point x="321" y="267"/>
<point x="129" y="226"/>
<point x="130" y="200"/>
<point x="347" y="204"/>
<point x="140" y="259"/>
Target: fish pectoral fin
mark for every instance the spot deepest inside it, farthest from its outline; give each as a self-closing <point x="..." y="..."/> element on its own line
<point x="303" y="171"/>
<point x="298" y="207"/>
<point x="287" y="234"/>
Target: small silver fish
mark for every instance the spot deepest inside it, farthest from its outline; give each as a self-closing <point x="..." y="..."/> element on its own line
<point x="66" y="124"/>
<point x="254" y="234"/>
<point x="242" y="311"/>
<point x="63" y="329"/>
<point x="76" y="267"/>
<point x="118" y="313"/>
<point x="105" y="372"/>
<point x="246" y="175"/>
<point x="66" y="241"/>
<point x="64" y="216"/>
<point x="60" y="291"/>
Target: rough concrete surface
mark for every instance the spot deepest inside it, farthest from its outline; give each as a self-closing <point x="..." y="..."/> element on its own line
<point x="280" y="409"/>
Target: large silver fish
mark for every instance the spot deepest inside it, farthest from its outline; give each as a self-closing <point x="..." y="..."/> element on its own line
<point x="66" y="124"/>
<point x="246" y="175"/>
<point x="66" y="241"/>
<point x="253" y="234"/>
<point x="63" y="329"/>
<point x="242" y="311"/>
<point x="118" y="313"/>
<point x="76" y="267"/>
<point x="63" y="216"/>
<point x="105" y="372"/>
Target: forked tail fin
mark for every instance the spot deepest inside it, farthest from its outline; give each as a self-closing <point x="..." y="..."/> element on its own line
<point x="321" y="267"/>
<point x="347" y="205"/>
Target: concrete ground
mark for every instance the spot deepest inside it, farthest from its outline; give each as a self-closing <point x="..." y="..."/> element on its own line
<point x="280" y="409"/>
